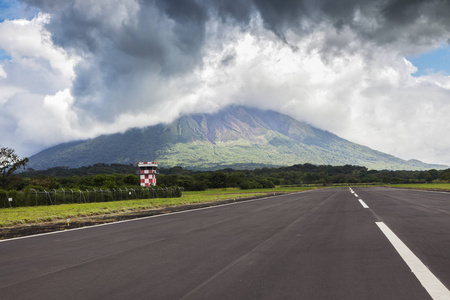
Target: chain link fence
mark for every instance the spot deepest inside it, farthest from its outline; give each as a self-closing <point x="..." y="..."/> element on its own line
<point x="67" y="196"/>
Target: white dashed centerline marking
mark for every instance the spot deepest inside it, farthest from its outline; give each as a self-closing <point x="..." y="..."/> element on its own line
<point x="363" y="203"/>
<point x="430" y="282"/>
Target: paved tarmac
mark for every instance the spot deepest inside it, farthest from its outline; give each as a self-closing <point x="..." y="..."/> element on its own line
<point x="321" y="244"/>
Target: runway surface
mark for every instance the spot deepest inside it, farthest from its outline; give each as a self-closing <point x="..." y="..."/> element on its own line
<point x="323" y="244"/>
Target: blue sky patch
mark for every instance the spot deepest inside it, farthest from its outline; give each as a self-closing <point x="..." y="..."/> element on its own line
<point x="9" y="9"/>
<point x="13" y="9"/>
<point x="435" y="61"/>
<point x="4" y="55"/>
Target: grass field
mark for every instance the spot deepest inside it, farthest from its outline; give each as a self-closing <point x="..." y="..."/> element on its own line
<point x="424" y="186"/>
<point x="38" y="214"/>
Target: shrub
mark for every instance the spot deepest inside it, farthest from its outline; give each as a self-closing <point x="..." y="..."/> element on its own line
<point x="131" y="179"/>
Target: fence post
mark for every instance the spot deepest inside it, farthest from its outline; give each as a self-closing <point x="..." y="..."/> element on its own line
<point x="36" y="197"/>
<point x="56" y="198"/>
<point x="47" y="194"/>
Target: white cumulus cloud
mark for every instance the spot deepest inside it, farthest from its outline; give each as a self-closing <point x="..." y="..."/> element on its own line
<point x="36" y="71"/>
<point x="83" y="68"/>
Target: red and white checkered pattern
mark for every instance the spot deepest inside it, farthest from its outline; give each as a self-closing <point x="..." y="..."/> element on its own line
<point x="148" y="173"/>
<point x="147" y="180"/>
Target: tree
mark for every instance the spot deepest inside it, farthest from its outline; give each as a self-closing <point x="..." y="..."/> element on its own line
<point x="218" y="179"/>
<point x="99" y="180"/>
<point x="131" y="179"/>
<point x="9" y="163"/>
<point x="446" y="176"/>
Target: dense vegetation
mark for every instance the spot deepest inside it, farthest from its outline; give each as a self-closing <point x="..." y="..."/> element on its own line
<point x="295" y="175"/>
<point x="118" y="176"/>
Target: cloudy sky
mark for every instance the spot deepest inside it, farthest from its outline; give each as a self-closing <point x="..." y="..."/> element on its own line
<point x="375" y="72"/>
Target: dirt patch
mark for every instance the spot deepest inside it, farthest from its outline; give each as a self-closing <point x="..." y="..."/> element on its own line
<point x="32" y="229"/>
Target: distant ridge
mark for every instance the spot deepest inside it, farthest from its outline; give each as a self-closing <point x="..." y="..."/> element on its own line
<point x="236" y="136"/>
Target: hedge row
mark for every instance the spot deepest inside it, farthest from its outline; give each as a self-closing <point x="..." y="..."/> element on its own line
<point x="33" y="197"/>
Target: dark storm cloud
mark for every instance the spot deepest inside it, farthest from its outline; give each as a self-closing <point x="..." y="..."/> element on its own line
<point x="383" y="21"/>
<point x="123" y="43"/>
<point x="71" y="26"/>
<point x="415" y="21"/>
<point x="74" y="27"/>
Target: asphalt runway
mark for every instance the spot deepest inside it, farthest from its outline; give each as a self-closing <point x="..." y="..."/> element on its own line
<point x="323" y="244"/>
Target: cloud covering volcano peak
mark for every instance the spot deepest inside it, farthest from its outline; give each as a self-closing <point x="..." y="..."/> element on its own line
<point x="103" y="66"/>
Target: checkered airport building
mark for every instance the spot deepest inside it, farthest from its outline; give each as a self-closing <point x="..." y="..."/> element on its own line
<point x="147" y="172"/>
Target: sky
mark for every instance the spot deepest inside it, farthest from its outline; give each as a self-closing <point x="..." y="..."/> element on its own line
<point x="375" y="72"/>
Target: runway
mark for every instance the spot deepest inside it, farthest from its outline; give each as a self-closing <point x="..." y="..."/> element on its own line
<point x="322" y="244"/>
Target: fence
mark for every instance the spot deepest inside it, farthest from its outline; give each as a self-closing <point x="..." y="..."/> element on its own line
<point x="55" y="197"/>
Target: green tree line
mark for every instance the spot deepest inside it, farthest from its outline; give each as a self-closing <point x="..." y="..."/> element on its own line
<point x="295" y="175"/>
<point x="117" y="176"/>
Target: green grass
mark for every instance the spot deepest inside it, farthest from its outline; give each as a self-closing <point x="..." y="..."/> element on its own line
<point x="424" y="186"/>
<point x="38" y="214"/>
<point x="60" y="213"/>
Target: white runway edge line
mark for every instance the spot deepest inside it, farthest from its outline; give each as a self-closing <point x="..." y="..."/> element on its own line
<point x="430" y="282"/>
<point x="363" y="203"/>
